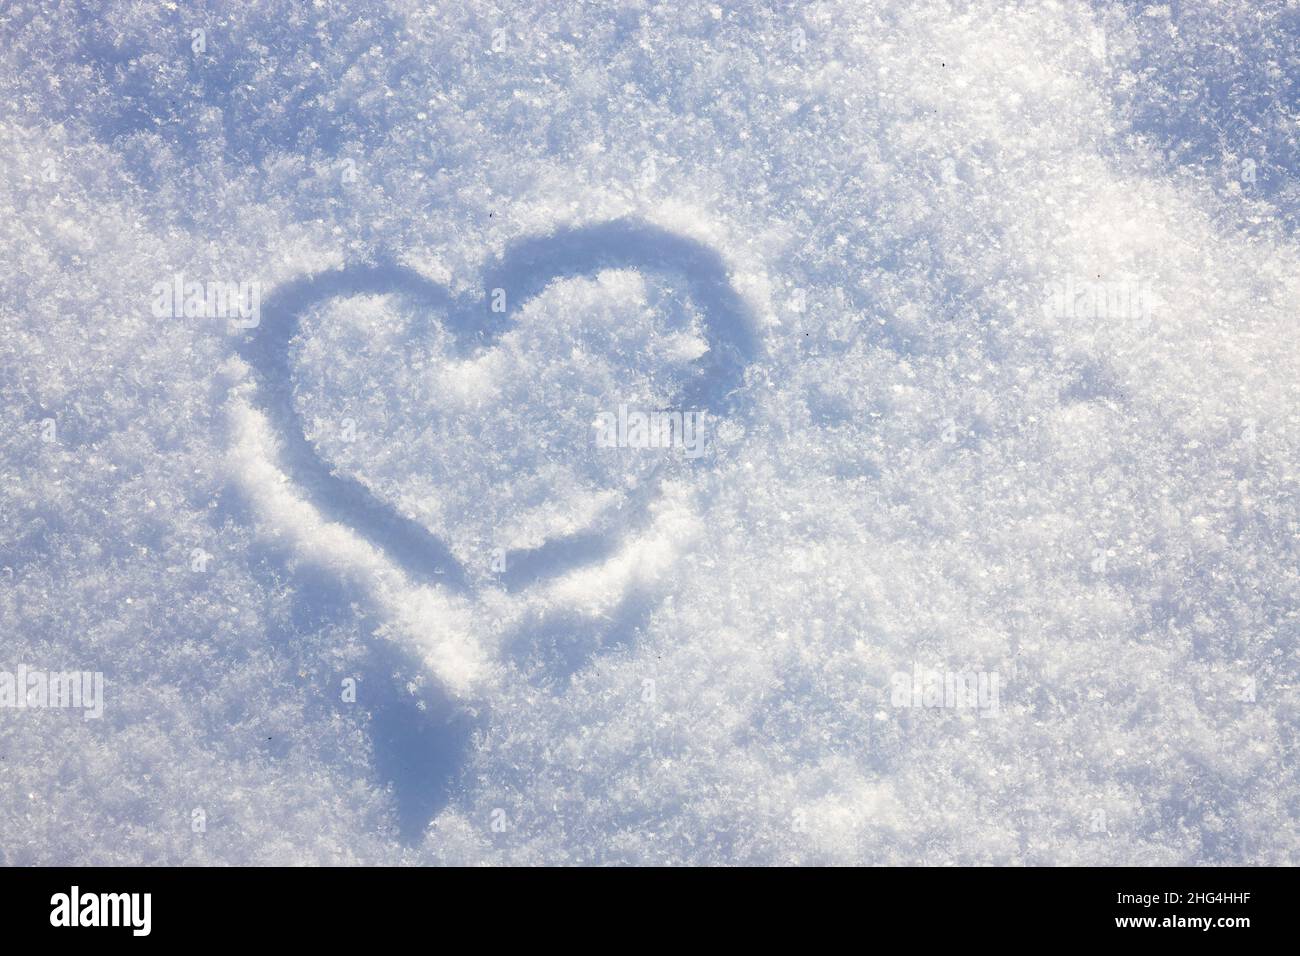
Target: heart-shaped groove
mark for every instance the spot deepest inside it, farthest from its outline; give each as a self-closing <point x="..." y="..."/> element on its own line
<point x="526" y="268"/>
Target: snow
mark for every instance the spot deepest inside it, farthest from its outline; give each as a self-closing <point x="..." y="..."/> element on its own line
<point x="843" y="232"/>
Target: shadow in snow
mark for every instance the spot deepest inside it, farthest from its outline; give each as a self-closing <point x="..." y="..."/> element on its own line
<point x="419" y="735"/>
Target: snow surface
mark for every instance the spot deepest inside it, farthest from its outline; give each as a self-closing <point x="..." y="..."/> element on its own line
<point x="915" y="462"/>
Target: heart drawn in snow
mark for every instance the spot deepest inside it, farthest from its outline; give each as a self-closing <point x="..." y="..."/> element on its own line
<point x="527" y="268"/>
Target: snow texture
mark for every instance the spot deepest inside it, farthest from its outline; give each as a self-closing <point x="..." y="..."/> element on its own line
<point x="988" y="310"/>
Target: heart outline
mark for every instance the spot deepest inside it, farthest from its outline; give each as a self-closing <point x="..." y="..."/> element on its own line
<point x="526" y="268"/>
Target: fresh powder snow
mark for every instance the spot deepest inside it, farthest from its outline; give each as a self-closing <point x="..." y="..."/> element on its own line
<point x="643" y="433"/>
